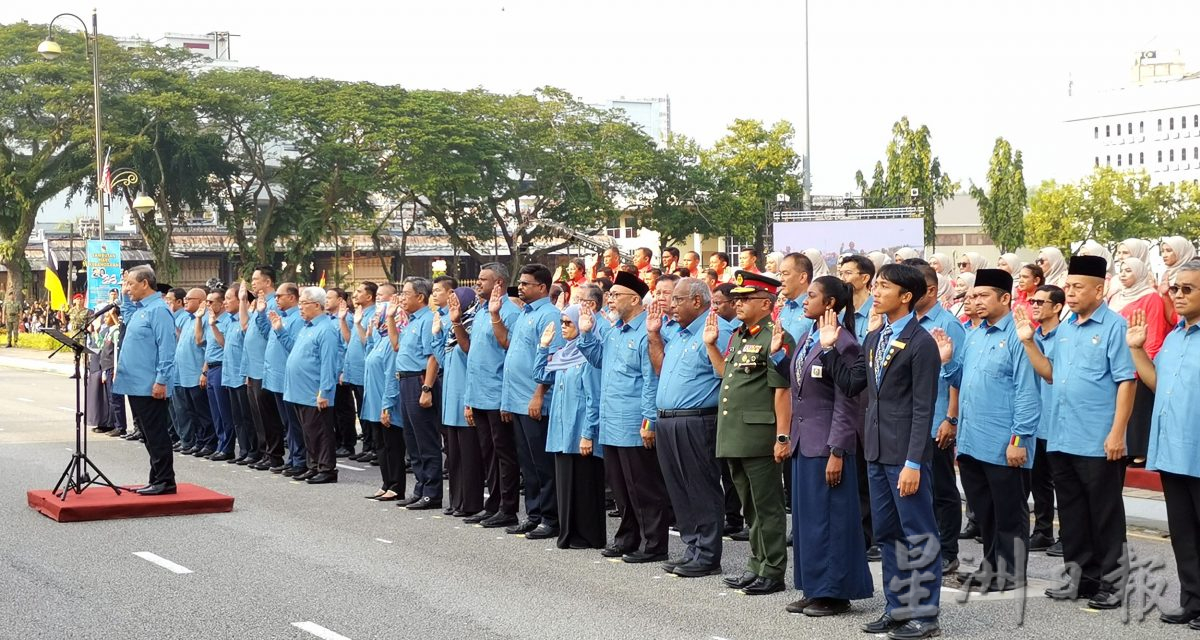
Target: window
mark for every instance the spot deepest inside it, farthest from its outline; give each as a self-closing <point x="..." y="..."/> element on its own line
<point x="1141" y="126"/>
<point x="1171" y="124"/>
<point x="1141" y="157"/>
<point x="1196" y="121"/>
<point x="1160" y="125"/>
<point x="1183" y="153"/>
<point x="1130" y="160"/>
<point x="1195" y="153"/>
<point x="1129" y="128"/>
<point x="1160" y="155"/>
<point x="1183" y="122"/>
<point x="1108" y="161"/>
<point x="1096" y="132"/>
<point x="1118" y="128"/>
<point x="1107" y="131"/>
<point x="1118" y="159"/>
<point x="1171" y="155"/>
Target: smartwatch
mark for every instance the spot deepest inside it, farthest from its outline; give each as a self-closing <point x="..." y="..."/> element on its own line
<point x="953" y="421"/>
<point x="783" y="438"/>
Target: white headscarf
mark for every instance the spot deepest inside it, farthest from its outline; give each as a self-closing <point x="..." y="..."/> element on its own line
<point x="776" y="257"/>
<point x="945" y="290"/>
<point x="905" y="253"/>
<point x="977" y="261"/>
<point x="1128" y="295"/>
<point x="1184" y="251"/>
<point x="1093" y="248"/>
<point x="1137" y="248"/>
<point x="944" y="265"/>
<point x="1013" y="262"/>
<point x="1054" y="266"/>
<point x="879" y="258"/>
<point x="820" y="267"/>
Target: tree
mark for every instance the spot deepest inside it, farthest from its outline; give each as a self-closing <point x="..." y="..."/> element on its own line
<point x="1002" y="206"/>
<point x="1052" y="220"/>
<point x="1107" y="206"/>
<point x="678" y="190"/>
<point x="909" y="164"/>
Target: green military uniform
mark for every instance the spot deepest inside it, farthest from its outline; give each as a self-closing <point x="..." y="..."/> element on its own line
<point x="78" y="317"/>
<point x="746" y="437"/>
<point x="12" y="320"/>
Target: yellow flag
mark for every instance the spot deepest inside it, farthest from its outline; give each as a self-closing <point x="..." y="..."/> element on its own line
<point x="58" y="297"/>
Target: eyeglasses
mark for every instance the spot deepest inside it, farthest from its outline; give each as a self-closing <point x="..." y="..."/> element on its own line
<point x="304" y="302"/>
<point x="1037" y="303"/>
<point x="964" y="264"/>
<point x="1185" y="289"/>
<point x="613" y="294"/>
<point x="848" y="274"/>
<point x="524" y="283"/>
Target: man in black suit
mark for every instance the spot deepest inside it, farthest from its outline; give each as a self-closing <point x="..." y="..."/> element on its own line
<point x="899" y="367"/>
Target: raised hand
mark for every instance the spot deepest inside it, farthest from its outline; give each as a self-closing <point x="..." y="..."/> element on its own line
<point x="243" y="292"/>
<point x="436" y="325"/>
<point x="497" y="300"/>
<point x="548" y="335"/>
<point x="944" y="343"/>
<point x="343" y="310"/>
<point x="1023" y="323"/>
<point x="260" y="304"/>
<point x="276" y="320"/>
<point x="712" y="330"/>
<point x="587" y="320"/>
<point x="829" y="329"/>
<point x="358" y="315"/>
<point x="777" y="338"/>
<point x="454" y="309"/>
<point x="1135" y="335"/>
<point x="654" y="317"/>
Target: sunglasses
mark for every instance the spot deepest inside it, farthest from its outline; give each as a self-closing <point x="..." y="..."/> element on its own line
<point x="1185" y="289"/>
<point x="964" y="264"/>
<point x="1037" y="303"/>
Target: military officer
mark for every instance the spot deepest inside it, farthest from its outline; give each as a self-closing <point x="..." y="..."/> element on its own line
<point x="12" y="318"/>
<point x="755" y="413"/>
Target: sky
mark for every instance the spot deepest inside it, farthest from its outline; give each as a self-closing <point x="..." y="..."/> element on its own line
<point x="969" y="70"/>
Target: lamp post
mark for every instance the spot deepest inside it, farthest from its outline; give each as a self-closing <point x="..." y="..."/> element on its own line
<point x="49" y="49"/>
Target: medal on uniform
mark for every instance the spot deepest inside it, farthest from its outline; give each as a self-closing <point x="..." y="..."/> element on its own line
<point x="817" y="371"/>
<point x="752" y="348"/>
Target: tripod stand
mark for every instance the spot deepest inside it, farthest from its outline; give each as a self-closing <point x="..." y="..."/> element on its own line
<point x="76" y="477"/>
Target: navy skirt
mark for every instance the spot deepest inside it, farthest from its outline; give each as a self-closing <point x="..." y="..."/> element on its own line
<point x="827" y="537"/>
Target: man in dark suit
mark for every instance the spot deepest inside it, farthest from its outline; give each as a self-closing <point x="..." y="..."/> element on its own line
<point x="899" y="367"/>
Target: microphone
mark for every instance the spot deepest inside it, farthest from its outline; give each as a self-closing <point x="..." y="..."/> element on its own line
<point x="105" y="309"/>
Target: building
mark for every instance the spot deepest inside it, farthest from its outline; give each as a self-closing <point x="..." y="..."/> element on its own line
<point x="1151" y="125"/>
<point x="653" y="115"/>
<point x="214" y="45"/>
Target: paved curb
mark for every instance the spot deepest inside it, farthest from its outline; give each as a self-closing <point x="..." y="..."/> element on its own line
<point x="46" y="366"/>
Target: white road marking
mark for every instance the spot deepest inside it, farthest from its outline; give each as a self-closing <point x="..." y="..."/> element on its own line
<point x="24" y="399"/>
<point x="162" y="562"/>
<point x="319" y="631"/>
<point x="383" y="541"/>
<point x="346" y="466"/>
<point x="719" y="638"/>
<point x="68" y="409"/>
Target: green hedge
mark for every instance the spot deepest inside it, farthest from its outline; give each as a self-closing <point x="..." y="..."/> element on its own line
<point x="36" y="341"/>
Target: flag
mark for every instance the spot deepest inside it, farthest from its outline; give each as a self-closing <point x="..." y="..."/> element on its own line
<point x="53" y="286"/>
<point x="106" y="175"/>
<point x="322" y="282"/>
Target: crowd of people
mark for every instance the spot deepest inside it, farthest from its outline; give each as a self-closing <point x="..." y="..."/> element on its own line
<point x="706" y="399"/>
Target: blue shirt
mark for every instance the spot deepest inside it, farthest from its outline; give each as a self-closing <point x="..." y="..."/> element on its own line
<point x="727" y="328"/>
<point x="575" y="407"/>
<point x="1090" y="361"/>
<point x="279" y="345"/>
<point x="233" y="372"/>
<point x="213" y="351"/>
<point x="523" y="341"/>
<point x="257" y="333"/>
<point x="416" y="342"/>
<point x="939" y="318"/>
<point x="791" y="316"/>
<point x="998" y="395"/>
<point x="862" y="317"/>
<point x="454" y="386"/>
<point x="628" y="380"/>
<point x="353" y="369"/>
<point x="147" y="354"/>
<point x="1174" y="437"/>
<point x="1045" y="342"/>
<point x="687" y="380"/>
<point x="312" y="364"/>
<point x="379" y="372"/>
<point x="189" y="356"/>
<point x="485" y="360"/>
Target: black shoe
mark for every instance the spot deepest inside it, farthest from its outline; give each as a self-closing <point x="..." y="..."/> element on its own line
<point x="741" y="581"/>
<point x="101" y="429"/>
<point x="641" y="557"/>
<point x="763" y="586"/>
<point x="245" y="462"/>
<point x="356" y="456"/>
<point x="671" y="563"/>
<point x="279" y="468"/>
<point x="291" y="472"/>
<point x="521" y="528"/>
<point x="915" y="630"/>
<point x="459" y="513"/>
<point x="823" y="607"/>
<point x="203" y="453"/>
<point x="342" y="452"/>
<point x="221" y="456"/>
<point x="233" y="460"/>
<point x="404" y="502"/>
<point x="1194" y="624"/>
<point x="497" y="520"/>
<point x="1040" y="542"/>
<point x="133" y="435"/>
<point x="874" y="553"/>
<point x="1105" y="600"/>
<point x="542" y="532"/>
<point x="970" y="532"/>
<point x="478" y="518"/>
<point x="424" y="503"/>
<point x="116" y="433"/>
<point x="159" y="489"/>
<point x="1183" y="617"/>
<point x="884" y="624"/>
<point x="1055" y="550"/>
<point x="800" y="605"/>
<point x="733" y="527"/>
<point x="696" y="570"/>
<point x="324" y="477"/>
<point x="185" y="451"/>
<point x="949" y="566"/>
<point x="741" y="536"/>
<point x="1068" y="592"/>
<point x="614" y="513"/>
<point x="448" y="511"/>
<point x="177" y="447"/>
<point x="261" y="465"/>
<point x="612" y="551"/>
<point x="305" y="475"/>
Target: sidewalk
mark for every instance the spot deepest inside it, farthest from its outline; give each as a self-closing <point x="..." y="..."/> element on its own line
<point x="34" y="360"/>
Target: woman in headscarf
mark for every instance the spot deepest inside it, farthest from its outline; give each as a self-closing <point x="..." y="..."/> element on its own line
<point x="905" y="253"/>
<point x="1009" y="262"/>
<point x="1135" y="248"/>
<point x="945" y="292"/>
<point x="378" y="374"/>
<point x="1051" y="260"/>
<point x="941" y="264"/>
<point x="771" y="266"/>
<point x="571" y="436"/>
<point x="962" y="286"/>
<point x="879" y="259"/>
<point x="830" y="553"/>
<point x="1175" y="252"/>
<point x="972" y="262"/>
<point x="1135" y="294"/>
<point x="464" y="459"/>
<point x="820" y="266"/>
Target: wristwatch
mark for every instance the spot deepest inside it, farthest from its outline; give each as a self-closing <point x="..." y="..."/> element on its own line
<point x="426" y="389"/>
<point x="953" y="421"/>
<point x="836" y="452"/>
<point x="783" y="438"/>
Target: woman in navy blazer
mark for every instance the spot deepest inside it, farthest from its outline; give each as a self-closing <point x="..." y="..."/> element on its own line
<point x="830" y="553"/>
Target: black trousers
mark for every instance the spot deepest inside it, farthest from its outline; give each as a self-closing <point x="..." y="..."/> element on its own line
<point x="1183" y="521"/>
<point x="1041" y="485"/>
<point x="423" y="440"/>
<point x="947" y="504"/>
<point x="464" y="462"/>
<point x="641" y="494"/>
<point x="196" y="403"/>
<point x="346" y="404"/>
<point x="537" y="468"/>
<point x="243" y="421"/>
<point x="580" y="484"/>
<point x="391" y="456"/>
<point x="498" y="455"/>
<point x="268" y="423"/>
<point x="1091" y="516"/>
<point x="319" y="429"/>
<point x="864" y="495"/>
<point x="151" y="414"/>
<point x="733" y="504"/>
<point x="687" y="455"/>
<point x="1001" y="511"/>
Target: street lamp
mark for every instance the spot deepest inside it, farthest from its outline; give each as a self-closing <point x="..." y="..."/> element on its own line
<point x="143" y="203"/>
<point x="50" y="50"/>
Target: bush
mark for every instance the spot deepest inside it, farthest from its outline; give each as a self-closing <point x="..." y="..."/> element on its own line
<point x="37" y="341"/>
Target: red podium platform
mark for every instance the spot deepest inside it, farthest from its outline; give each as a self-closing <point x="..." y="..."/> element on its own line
<point x="1142" y="479"/>
<point x="100" y="503"/>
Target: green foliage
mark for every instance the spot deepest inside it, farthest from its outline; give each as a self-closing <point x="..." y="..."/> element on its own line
<point x="37" y="341"/>
<point x="1002" y="207"/>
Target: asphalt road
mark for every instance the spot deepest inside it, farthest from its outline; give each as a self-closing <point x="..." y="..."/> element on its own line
<point x="302" y="562"/>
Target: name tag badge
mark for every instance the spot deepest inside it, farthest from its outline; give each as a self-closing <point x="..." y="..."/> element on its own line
<point x="897" y="344"/>
<point x="1096" y="339"/>
<point x="752" y="348"/>
<point x="817" y="371"/>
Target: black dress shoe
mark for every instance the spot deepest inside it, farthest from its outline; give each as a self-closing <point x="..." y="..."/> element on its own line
<point x="542" y="532"/>
<point x="305" y="475"/>
<point x="499" y="520"/>
<point x="732" y="528"/>
<point x="614" y="513"/>
<point x="1040" y="542"/>
<point x="823" y="607"/>
<point x="101" y="429"/>
<point x="159" y="489"/>
<point x="640" y="557"/>
<point x="969" y="532"/>
<point x="696" y="570"/>
<point x="741" y="581"/>
<point x="1106" y="600"/>
<point x="404" y="502"/>
<point x="671" y="563"/>
<point x="261" y="465"/>
<point x="203" y="453"/>
<point x="874" y="553"/>
<point x="221" y="456"/>
<point x="342" y="452"/>
<point x="800" y="605"/>
<point x="1183" y="617"/>
<point x="459" y="513"/>
<point x="448" y="511"/>
<point x="763" y="586"/>
<point x="1068" y="592"/>
<point x="1194" y="624"/>
<point x="324" y="477"/>
<point x="424" y="503"/>
<point x="1055" y="550"/>
<point x="521" y="528"/>
<point x="279" y="468"/>
<point x="612" y="551"/>
<point x="478" y="518"/>
<point x="915" y="630"/>
<point x="741" y="536"/>
<point x="356" y="456"/>
<point x="116" y="433"/>
<point x="949" y="566"/>
<point x="245" y="462"/>
<point x="884" y="624"/>
<point x="291" y="472"/>
<point x="133" y="435"/>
